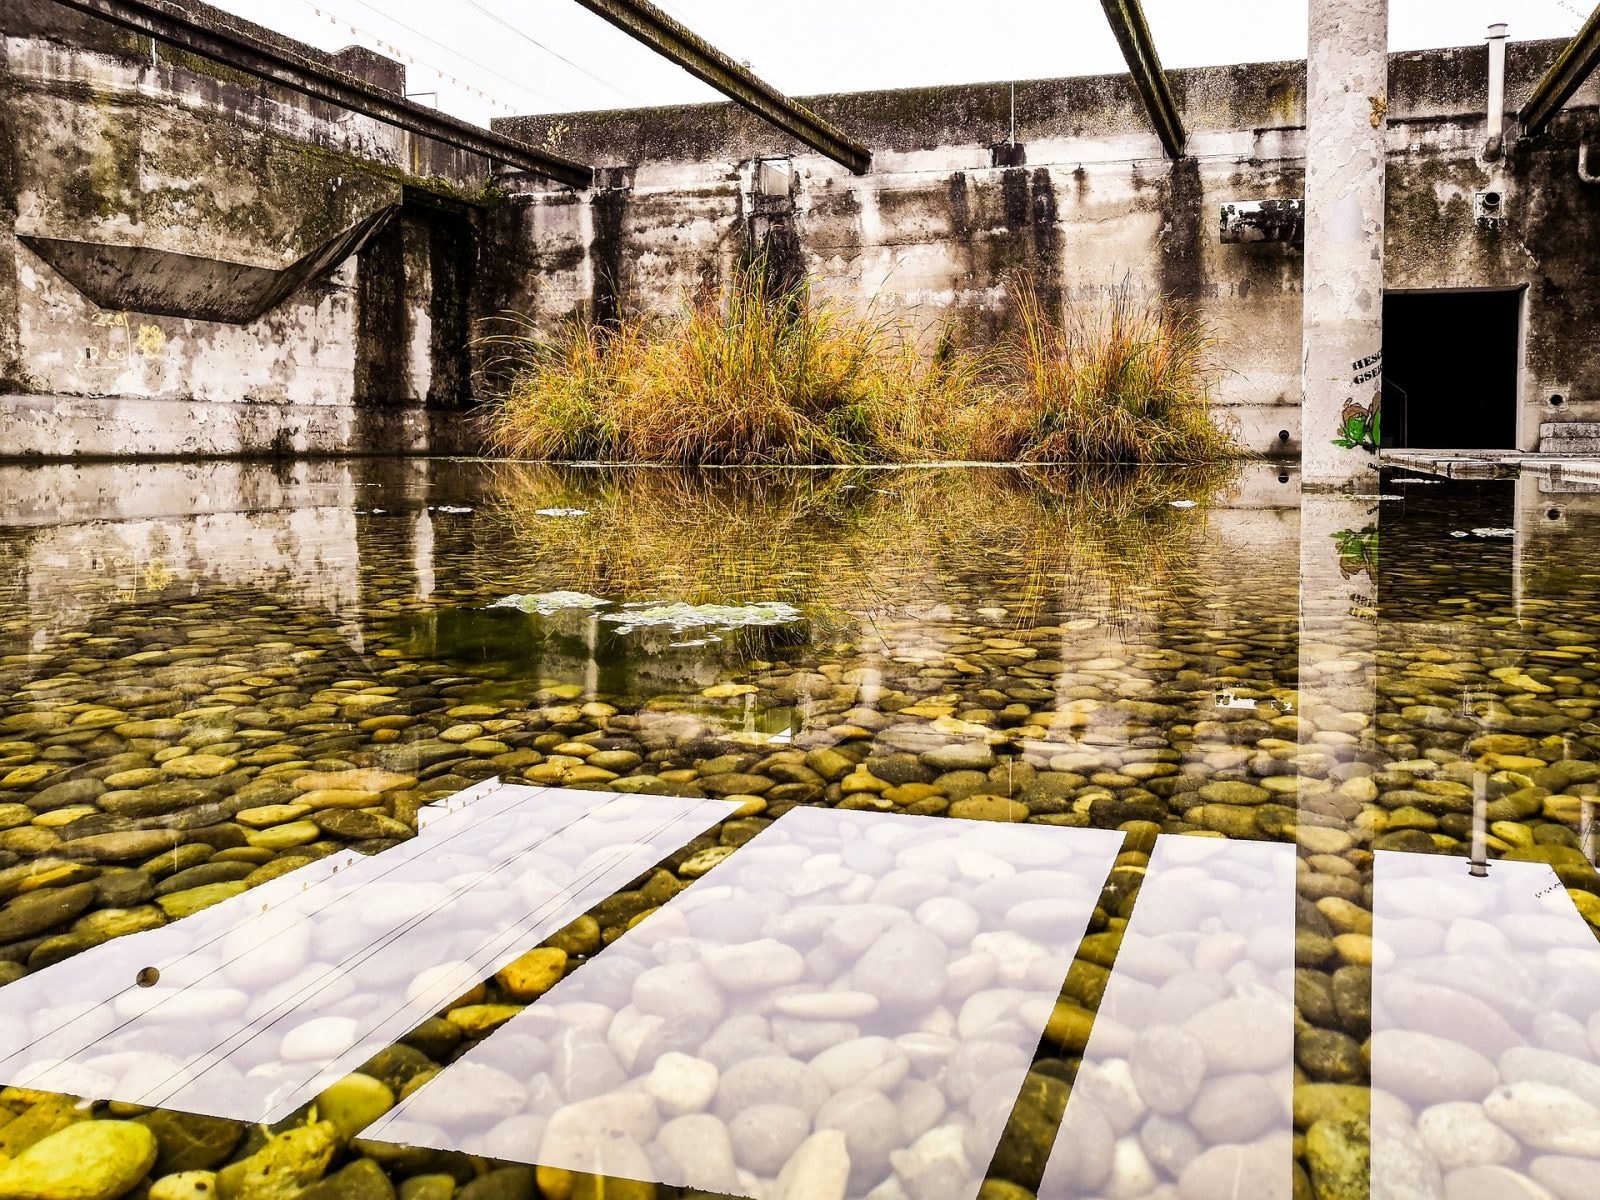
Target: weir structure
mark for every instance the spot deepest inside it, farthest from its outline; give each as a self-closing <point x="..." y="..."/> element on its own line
<point x="214" y="240"/>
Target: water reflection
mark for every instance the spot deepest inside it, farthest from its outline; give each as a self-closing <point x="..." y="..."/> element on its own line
<point x="186" y="652"/>
<point x="1187" y="1076"/>
<point x="851" y="1000"/>
<point x="1485" y="1009"/>
<point x="313" y="973"/>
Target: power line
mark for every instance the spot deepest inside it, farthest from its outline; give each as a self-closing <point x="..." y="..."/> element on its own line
<point x="533" y="41"/>
<point x="319" y="6"/>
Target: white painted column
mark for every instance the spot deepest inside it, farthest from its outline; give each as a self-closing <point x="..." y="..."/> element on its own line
<point x="1347" y="94"/>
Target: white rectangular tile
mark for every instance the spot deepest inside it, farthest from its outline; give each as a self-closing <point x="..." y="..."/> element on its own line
<point x="266" y="998"/>
<point x="1187" y="1076"/>
<point x="850" y="991"/>
<point x="1485" y="1027"/>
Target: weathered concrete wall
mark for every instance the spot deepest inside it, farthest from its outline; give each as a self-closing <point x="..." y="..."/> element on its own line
<point x="935" y="229"/>
<point x="193" y="262"/>
<point x="196" y="262"/>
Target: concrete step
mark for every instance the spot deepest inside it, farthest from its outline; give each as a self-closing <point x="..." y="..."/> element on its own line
<point x="1569" y="437"/>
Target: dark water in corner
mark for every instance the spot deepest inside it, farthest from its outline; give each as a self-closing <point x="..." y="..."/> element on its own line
<point x="223" y="678"/>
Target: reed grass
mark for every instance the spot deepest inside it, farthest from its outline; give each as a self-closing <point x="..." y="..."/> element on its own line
<point x="759" y="377"/>
<point x="770" y="376"/>
<point x="1124" y="380"/>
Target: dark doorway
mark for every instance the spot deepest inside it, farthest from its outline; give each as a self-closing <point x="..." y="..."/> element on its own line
<point x="1450" y="370"/>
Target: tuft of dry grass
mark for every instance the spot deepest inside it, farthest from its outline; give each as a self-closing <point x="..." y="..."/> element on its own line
<point x="758" y="377"/>
<point x="1125" y="380"/>
<point x="764" y="376"/>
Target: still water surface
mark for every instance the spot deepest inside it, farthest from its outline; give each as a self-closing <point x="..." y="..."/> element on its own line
<point x="915" y="833"/>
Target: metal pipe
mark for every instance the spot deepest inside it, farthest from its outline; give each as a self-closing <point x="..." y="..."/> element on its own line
<point x="646" y="23"/>
<point x="1139" y="49"/>
<point x="1479" y="857"/>
<point x="1566" y="75"/>
<point x="1497" y="93"/>
<point x="242" y="52"/>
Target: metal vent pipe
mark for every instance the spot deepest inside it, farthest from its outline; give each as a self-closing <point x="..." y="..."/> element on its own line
<point x="1497" y="93"/>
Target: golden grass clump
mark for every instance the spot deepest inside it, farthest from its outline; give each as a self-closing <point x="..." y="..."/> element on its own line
<point x="763" y="376"/>
<point x="1127" y="380"/>
<point x="772" y="376"/>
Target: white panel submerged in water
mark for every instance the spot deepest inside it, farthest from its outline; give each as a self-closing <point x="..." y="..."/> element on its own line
<point x="1189" y="1069"/>
<point x="1485" y="1032"/>
<point x="268" y="997"/>
<point x="852" y="998"/>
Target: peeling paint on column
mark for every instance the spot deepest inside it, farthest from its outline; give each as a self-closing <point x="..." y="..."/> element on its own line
<point x="1347" y="90"/>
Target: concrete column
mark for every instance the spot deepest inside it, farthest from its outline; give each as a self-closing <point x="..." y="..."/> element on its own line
<point x="1347" y="92"/>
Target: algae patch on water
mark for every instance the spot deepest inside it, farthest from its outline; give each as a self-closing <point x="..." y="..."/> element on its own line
<point x="547" y="604"/>
<point x="681" y="617"/>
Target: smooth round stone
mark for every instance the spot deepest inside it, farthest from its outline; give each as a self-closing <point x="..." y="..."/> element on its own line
<point x="480" y="1094"/>
<point x="1132" y="1174"/>
<point x="904" y="968"/>
<point x="1425" y="1069"/>
<point x="702" y="1148"/>
<point x="199" y="766"/>
<point x="318" y="1038"/>
<point x="765" y="1136"/>
<point x="186" y="1185"/>
<point x="1216" y="1174"/>
<point x="1460" y="1134"/>
<point x="1081" y="1159"/>
<point x="682" y="1084"/>
<point x="1565" y="1178"/>
<point x="533" y="974"/>
<point x="870" y="1062"/>
<point x="88" y="1160"/>
<point x="828" y="1006"/>
<point x="1230" y="1033"/>
<point x="760" y="1080"/>
<point x="1546" y="1117"/>
<point x="678" y="989"/>
<point x="753" y="965"/>
<point x="1491" y="1183"/>
<point x="354" y="1102"/>
<point x="922" y="1105"/>
<point x="1169" y="1144"/>
<point x="1238" y="1108"/>
<point x="950" y="919"/>
<point x="1168" y="1065"/>
<point x="869" y="1121"/>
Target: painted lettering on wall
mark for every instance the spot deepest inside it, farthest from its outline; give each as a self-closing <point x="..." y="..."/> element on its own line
<point x="1360" y="425"/>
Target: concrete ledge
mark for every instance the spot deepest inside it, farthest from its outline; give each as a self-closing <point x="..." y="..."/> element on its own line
<point x="87" y="427"/>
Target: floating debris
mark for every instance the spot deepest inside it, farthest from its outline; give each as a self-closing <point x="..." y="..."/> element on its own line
<point x="452" y="508"/>
<point x="548" y="603"/>
<point x="562" y="512"/>
<point x="680" y="617"/>
<point x="1484" y="532"/>
<point x="1183" y="504"/>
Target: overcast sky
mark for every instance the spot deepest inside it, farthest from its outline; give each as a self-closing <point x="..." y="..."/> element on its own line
<point x="488" y="58"/>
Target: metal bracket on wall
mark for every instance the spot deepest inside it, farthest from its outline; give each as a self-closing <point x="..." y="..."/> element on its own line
<point x="1586" y="155"/>
<point x="1248" y="221"/>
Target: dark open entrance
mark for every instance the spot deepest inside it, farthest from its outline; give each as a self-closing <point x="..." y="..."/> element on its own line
<point x="1450" y="370"/>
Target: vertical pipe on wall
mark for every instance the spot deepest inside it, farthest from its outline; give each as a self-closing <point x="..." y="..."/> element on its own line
<point x="1347" y="101"/>
<point x="1497" y="93"/>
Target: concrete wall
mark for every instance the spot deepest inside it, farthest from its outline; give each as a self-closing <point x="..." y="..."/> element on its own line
<point x="935" y="229"/>
<point x="193" y="262"/>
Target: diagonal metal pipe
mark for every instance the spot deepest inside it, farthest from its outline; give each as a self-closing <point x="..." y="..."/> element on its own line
<point x="1566" y="75"/>
<point x="646" y="23"/>
<point x="173" y="25"/>
<point x="1139" y="49"/>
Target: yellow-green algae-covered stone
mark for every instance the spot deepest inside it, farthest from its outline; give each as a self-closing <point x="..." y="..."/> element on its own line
<point x="291" y="1161"/>
<point x="534" y="974"/>
<point x="88" y="1160"/>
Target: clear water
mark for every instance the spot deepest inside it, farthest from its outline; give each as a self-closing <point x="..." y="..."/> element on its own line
<point x="1284" y="882"/>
